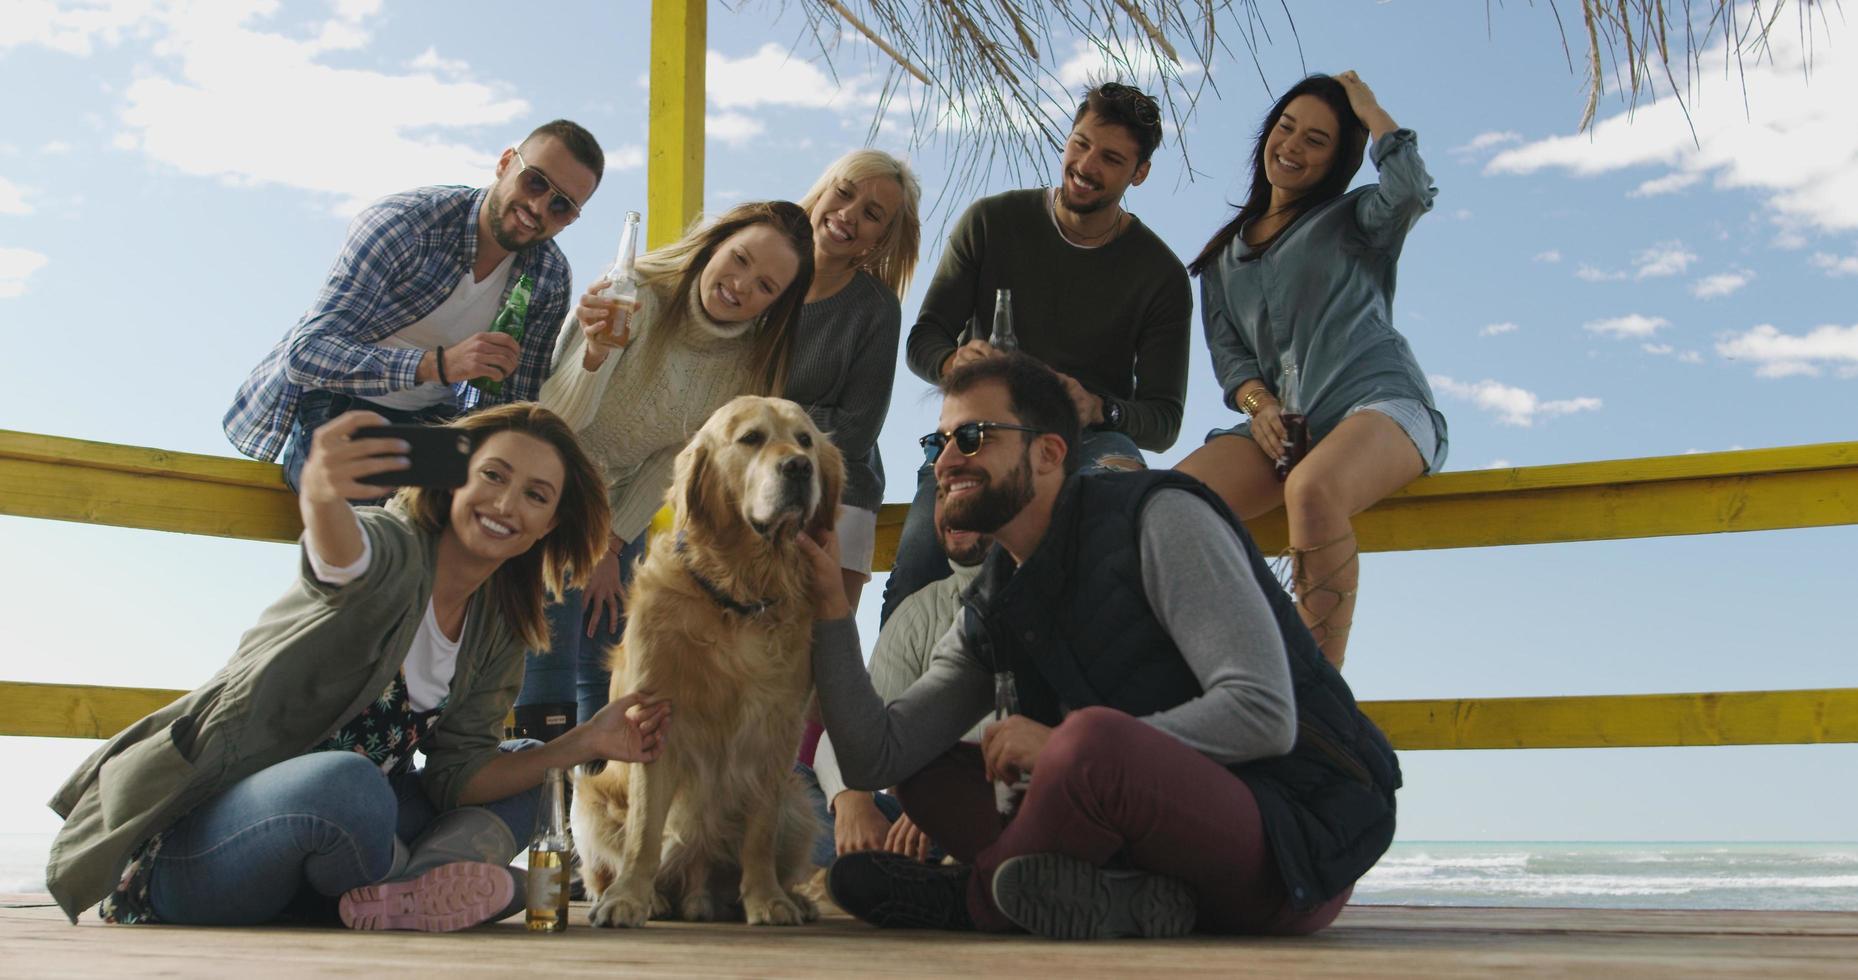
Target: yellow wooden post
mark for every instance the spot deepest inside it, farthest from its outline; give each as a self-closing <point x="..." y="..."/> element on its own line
<point x="674" y="180"/>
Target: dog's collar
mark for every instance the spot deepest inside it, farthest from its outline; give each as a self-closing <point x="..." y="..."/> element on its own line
<point x="721" y="598"/>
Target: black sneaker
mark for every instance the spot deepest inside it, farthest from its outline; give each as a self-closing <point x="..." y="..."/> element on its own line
<point x="897" y="892"/>
<point x="1062" y="897"/>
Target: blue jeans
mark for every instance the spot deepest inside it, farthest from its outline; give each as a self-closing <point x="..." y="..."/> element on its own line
<point x="826" y="846"/>
<point x="317" y="407"/>
<point x="295" y="836"/>
<point x="920" y="560"/>
<point x="573" y="669"/>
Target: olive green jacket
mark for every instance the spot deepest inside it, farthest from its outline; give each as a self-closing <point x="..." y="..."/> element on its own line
<point x="315" y="659"/>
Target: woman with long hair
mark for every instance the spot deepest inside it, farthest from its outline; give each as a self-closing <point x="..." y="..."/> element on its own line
<point x="285" y="784"/>
<point x="1297" y="289"/>
<point x="716" y="318"/>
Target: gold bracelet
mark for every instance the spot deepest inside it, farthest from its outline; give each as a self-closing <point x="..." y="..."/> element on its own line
<point x="1250" y="403"/>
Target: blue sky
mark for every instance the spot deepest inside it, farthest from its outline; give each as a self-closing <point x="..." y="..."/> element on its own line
<point x="175" y="179"/>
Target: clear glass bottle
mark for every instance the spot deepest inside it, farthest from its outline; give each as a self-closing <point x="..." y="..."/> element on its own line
<point x="550" y="857"/>
<point x="1296" y="424"/>
<point x="1003" y="338"/>
<point x="1006" y="704"/>
<point x="622" y="281"/>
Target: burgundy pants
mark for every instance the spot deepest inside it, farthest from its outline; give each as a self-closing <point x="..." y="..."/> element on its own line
<point x="1115" y="791"/>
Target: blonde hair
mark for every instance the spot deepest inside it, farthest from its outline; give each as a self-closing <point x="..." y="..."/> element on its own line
<point x="893" y="259"/>
<point x="565" y="556"/>
<point x="672" y="272"/>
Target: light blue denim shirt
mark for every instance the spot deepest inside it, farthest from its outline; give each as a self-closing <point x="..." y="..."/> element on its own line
<point x="1325" y="291"/>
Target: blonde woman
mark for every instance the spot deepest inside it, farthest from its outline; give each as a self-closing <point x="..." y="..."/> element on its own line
<point x="715" y="319"/>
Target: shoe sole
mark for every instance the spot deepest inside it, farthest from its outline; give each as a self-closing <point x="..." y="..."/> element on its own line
<point x="1062" y="897"/>
<point x="447" y="898"/>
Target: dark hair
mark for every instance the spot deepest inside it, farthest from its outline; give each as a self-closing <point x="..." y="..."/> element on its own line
<point x="1128" y="107"/>
<point x="1350" y="143"/>
<point x="579" y="143"/>
<point x="1034" y="394"/>
<point x="565" y="555"/>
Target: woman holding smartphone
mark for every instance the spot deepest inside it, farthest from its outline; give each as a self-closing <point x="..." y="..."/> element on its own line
<point x="285" y="784"/>
<point x="1299" y="285"/>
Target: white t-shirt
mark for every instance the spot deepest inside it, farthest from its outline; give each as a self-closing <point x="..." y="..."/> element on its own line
<point x="468" y="310"/>
<point x="432" y="659"/>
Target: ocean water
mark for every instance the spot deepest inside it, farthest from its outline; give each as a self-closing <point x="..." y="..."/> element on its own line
<point x="1821" y="877"/>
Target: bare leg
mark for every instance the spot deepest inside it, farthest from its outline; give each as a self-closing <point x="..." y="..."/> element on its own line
<point x="1236" y="469"/>
<point x="1364" y="459"/>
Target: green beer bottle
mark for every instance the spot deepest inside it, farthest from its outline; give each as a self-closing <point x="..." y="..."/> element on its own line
<point x="509" y="320"/>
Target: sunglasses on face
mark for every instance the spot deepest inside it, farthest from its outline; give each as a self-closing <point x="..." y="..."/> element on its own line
<point x="968" y="437"/>
<point x="534" y="182"/>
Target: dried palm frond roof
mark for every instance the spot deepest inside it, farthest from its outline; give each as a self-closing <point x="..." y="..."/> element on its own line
<point x="982" y="71"/>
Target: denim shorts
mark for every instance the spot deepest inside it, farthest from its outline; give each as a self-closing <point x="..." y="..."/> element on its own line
<point x="1410" y="414"/>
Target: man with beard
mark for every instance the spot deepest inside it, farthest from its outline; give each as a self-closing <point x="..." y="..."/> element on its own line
<point x="1193" y="761"/>
<point x="1095" y="295"/>
<point x="402" y="321"/>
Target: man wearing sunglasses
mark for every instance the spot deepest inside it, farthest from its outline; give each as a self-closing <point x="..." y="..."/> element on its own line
<point x="1096" y="295"/>
<point x="1194" y="763"/>
<point x="403" y="318"/>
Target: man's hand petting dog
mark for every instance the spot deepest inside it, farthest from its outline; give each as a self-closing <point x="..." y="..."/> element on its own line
<point x="1011" y="747"/>
<point x="631" y="729"/>
<point x="822" y="555"/>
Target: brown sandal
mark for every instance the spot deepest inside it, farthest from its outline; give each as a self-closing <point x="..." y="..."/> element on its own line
<point x="1304" y="590"/>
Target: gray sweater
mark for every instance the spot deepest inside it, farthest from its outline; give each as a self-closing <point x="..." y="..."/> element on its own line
<point x="844" y="362"/>
<point x="1202" y="590"/>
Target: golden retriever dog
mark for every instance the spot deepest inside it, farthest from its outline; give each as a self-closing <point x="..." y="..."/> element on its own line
<point x="719" y="620"/>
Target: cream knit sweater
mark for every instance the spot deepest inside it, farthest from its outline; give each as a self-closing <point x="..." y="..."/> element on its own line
<point x="633" y="425"/>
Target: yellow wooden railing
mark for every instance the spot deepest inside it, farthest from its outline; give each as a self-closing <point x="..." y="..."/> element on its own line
<point x="1751" y="490"/>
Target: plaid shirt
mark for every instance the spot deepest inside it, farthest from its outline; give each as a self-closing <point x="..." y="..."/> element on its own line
<point x="404" y="254"/>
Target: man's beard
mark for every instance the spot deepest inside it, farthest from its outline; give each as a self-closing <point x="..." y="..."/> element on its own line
<point x="987" y="509"/>
<point x="1064" y="200"/>
<point x="498" y="208"/>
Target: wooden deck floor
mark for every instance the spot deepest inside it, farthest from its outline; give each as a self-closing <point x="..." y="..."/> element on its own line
<point x="1368" y="941"/>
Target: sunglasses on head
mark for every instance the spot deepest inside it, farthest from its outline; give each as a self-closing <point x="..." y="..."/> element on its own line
<point x="1139" y="104"/>
<point x="536" y="182"/>
<point x="968" y="437"/>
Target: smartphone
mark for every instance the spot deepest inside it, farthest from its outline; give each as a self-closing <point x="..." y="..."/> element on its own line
<point x="440" y="455"/>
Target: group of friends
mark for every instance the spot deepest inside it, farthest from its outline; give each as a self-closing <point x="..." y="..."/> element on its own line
<point x="1188" y="754"/>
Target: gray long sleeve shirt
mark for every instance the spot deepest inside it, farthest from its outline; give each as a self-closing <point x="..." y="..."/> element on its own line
<point x="1324" y="293"/>
<point x="1199" y="584"/>
<point x="844" y="365"/>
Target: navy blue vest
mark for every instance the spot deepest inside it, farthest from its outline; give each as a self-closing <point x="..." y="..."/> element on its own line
<point x="1074" y="625"/>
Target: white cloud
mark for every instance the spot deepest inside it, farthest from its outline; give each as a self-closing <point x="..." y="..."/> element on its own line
<point x="1552" y="255"/>
<point x="1779" y="123"/>
<point x="1498" y="328"/>
<point x="229" y="100"/>
<point x="1778" y="355"/>
<point x="1836" y="265"/>
<point x="732" y="128"/>
<point x="1663" y="259"/>
<point x="1668" y="184"/>
<point x="1630" y="325"/>
<point x="16" y="266"/>
<point x="1593" y="273"/>
<point x="1498" y="464"/>
<point x="1486" y="141"/>
<point x="1690" y="357"/>
<point x="431" y="60"/>
<point x="71" y="28"/>
<point x="1660" y="349"/>
<point x="1462" y="214"/>
<point x="1512" y="405"/>
<point x="55" y="148"/>
<point x="13" y="198"/>
<point x="628" y="157"/>
<point x="773" y="76"/>
<point x="1721" y="284"/>
<point x="1089" y="65"/>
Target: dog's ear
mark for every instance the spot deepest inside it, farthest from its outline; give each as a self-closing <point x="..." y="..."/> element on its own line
<point x="831" y="465"/>
<point x="693" y="476"/>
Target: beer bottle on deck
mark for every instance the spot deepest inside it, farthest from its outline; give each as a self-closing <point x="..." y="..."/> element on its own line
<point x="550" y="856"/>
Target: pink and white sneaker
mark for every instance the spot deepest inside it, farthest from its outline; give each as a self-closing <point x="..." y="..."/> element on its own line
<point x="447" y="898"/>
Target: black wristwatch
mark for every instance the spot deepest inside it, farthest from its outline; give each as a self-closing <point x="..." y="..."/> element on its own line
<point x="1112" y="415"/>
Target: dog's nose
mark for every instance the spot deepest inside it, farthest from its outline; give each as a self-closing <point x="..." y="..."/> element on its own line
<point x="796" y="468"/>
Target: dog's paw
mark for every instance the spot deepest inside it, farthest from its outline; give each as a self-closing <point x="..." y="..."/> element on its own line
<point x="617" y="911"/>
<point x="701" y="908"/>
<point x="780" y="910"/>
<point x="809" y="910"/>
<point x="661" y="906"/>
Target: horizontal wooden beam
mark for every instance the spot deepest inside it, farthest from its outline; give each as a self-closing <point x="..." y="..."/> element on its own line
<point x="1703" y="493"/>
<point x="1612" y="721"/>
